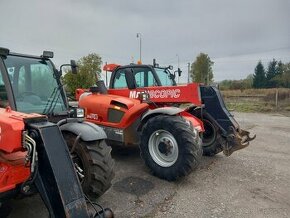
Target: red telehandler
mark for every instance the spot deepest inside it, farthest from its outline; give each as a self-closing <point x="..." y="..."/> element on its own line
<point x="33" y="148"/>
<point x="168" y="137"/>
<point x="222" y="132"/>
<point x="32" y="84"/>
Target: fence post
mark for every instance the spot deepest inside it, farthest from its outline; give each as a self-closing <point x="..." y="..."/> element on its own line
<point x="277" y="94"/>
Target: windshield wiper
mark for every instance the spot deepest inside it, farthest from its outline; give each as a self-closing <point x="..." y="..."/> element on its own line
<point x="52" y="101"/>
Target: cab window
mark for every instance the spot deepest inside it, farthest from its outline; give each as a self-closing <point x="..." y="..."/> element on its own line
<point x="120" y="79"/>
<point x="164" y="77"/>
<point x="144" y="77"/>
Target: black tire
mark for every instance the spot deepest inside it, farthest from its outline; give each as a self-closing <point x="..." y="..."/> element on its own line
<point x="210" y="142"/>
<point x="95" y="159"/>
<point x="186" y="156"/>
<point x="5" y="209"/>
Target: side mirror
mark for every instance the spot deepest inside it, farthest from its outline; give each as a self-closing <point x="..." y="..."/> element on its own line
<point x="179" y="72"/>
<point x="74" y="66"/>
<point x="170" y="67"/>
<point x="130" y="79"/>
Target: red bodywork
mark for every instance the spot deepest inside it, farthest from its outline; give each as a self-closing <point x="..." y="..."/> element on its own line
<point x="159" y="94"/>
<point x="97" y="107"/>
<point x="12" y="155"/>
<point x="101" y="109"/>
<point x="170" y="94"/>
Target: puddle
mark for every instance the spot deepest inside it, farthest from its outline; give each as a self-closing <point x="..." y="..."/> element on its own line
<point x="134" y="185"/>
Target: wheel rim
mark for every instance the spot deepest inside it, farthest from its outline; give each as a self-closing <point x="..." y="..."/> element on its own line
<point x="163" y="148"/>
<point x="209" y="134"/>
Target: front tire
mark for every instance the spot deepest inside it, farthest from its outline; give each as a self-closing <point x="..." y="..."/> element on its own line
<point x="94" y="164"/>
<point x="169" y="147"/>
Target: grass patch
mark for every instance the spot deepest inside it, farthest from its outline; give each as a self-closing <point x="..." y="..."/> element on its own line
<point x="258" y="100"/>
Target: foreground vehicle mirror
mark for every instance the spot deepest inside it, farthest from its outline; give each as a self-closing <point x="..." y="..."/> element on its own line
<point x="179" y="72"/>
<point x="74" y="66"/>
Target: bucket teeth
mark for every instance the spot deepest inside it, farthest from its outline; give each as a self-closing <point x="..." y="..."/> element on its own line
<point x="237" y="140"/>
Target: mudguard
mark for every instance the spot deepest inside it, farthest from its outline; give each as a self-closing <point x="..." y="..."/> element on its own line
<point x="164" y="110"/>
<point x="87" y="131"/>
<point x="197" y="123"/>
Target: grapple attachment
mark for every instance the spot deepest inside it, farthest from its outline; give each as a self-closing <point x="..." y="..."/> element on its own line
<point x="236" y="140"/>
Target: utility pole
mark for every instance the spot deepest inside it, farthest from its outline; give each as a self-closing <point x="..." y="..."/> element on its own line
<point x="188" y="72"/>
<point x="106" y="75"/>
<point x="177" y="67"/>
<point x="140" y="46"/>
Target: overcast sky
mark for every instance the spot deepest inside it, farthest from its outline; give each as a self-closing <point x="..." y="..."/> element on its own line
<point x="236" y="34"/>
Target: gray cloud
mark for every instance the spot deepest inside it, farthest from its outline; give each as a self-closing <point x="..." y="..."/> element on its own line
<point x="235" y="34"/>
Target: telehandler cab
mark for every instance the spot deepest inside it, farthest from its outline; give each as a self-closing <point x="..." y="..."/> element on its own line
<point x="222" y="131"/>
<point x="31" y="84"/>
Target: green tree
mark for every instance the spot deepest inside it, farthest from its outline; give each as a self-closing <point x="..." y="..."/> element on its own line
<point x="279" y="69"/>
<point x="89" y="69"/>
<point x="259" y="78"/>
<point x="278" y="79"/>
<point x="201" y="69"/>
<point x="284" y="77"/>
<point x="271" y="74"/>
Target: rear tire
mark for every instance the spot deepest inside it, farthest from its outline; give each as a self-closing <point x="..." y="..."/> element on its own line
<point x="169" y="147"/>
<point x="94" y="158"/>
<point x="210" y="142"/>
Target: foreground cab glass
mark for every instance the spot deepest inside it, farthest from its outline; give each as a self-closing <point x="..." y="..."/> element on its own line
<point x="34" y="85"/>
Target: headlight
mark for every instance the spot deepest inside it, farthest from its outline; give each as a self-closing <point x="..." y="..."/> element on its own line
<point x="80" y="112"/>
<point x="77" y="112"/>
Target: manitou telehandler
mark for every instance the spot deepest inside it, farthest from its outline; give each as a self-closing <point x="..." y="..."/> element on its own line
<point x="31" y="84"/>
<point x="169" y="137"/>
<point x="222" y="132"/>
<point x="34" y="157"/>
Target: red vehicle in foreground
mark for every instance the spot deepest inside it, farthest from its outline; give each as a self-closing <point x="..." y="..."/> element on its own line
<point x="34" y="151"/>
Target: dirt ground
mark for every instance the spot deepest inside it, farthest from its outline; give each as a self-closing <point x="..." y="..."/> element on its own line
<point x="253" y="182"/>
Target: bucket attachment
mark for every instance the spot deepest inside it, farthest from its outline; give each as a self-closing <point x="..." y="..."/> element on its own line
<point x="236" y="140"/>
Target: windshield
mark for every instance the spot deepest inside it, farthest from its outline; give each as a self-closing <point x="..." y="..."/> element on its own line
<point x="164" y="77"/>
<point x="34" y="87"/>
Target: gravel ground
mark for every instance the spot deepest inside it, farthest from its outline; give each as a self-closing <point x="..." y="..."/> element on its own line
<point x="253" y="182"/>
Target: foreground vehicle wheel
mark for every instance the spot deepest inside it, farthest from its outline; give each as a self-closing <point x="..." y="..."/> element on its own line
<point x="94" y="164"/>
<point x="169" y="147"/>
<point x="210" y="143"/>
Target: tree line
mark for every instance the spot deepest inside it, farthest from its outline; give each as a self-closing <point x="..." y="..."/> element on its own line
<point x="276" y="75"/>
